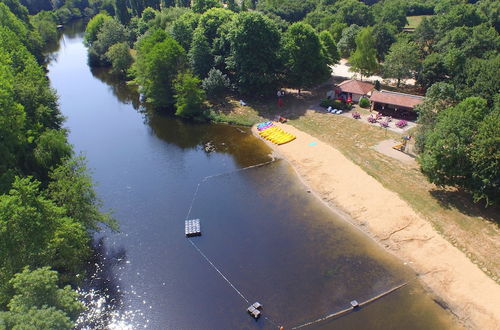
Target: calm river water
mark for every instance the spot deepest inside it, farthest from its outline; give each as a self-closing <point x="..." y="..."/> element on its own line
<point x="270" y="238"/>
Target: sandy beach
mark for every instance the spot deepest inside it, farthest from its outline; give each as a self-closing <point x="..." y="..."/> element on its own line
<point x="458" y="284"/>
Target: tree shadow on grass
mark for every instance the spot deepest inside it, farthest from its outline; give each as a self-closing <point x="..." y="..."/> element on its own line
<point x="463" y="202"/>
<point x="295" y="105"/>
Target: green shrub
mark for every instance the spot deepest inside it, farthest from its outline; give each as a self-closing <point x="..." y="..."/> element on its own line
<point x="325" y="103"/>
<point x="364" y="102"/>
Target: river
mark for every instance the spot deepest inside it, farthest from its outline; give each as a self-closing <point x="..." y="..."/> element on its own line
<point x="273" y="241"/>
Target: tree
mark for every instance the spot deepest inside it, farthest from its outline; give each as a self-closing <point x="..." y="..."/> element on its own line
<point x="183" y="28"/>
<point x="121" y="11"/>
<point x="353" y="12"/>
<point x="438" y="97"/>
<point x="212" y="19"/>
<point x="491" y="10"/>
<point x="93" y="28"/>
<point x="45" y="23"/>
<point x="200" y="57"/>
<point x="119" y="57"/>
<point x="391" y="12"/>
<point x="402" y="60"/>
<point x="482" y="78"/>
<point x="36" y="232"/>
<point x="458" y="15"/>
<point x="306" y="62"/>
<point x="233" y="6"/>
<point x="364" y="58"/>
<point x="51" y="148"/>
<point x="39" y="303"/>
<point x="36" y="318"/>
<point x="71" y="187"/>
<point x="201" y="6"/>
<point x="290" y="10"/>
<point x="110" y="33"/>
<point x="30" y="39"/>
<point x="137" y="7"/>
<point x="347" y="42"/>
<point x="448" y="153"/>
<point x="159" y="59"/>
<point x="433" y="70"/>
<point x="336" y="29"/>
<point x="216" y="83"/>
<point x="189" y="96"/>
<point x="425" y="35"/>
<point x="254" y="59"/>
<point x="384" y="35"/>
<point x="18" y="9"/>
<point x="485" y="157"/>
<point x="329" y="46"/>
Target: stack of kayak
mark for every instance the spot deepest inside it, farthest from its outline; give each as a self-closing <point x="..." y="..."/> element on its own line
<point x="273" y="133"/>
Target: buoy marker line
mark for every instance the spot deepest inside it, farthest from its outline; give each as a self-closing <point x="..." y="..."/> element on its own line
<point x="221" y="174"/>
<point x="218" y="270"/>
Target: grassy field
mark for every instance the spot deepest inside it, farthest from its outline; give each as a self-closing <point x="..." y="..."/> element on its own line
<point x="466" y="225"/>
<point x="414" y="21"/>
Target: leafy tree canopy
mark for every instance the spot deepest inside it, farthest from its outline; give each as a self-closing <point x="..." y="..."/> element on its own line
<point x="201" y="6"/>
<point x="306" y="60"/>
<point x="256" y="72"/>
<point x="364" y="58"/>
<point x="189" y="96"/>
<point x="402" y="60"/>
<point x="451" y="150"/>
<point x="159" y="59"/>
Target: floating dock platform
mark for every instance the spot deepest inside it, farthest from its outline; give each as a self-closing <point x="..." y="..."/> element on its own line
<point x="255" y="310"/>
<point x="192" y="228"/>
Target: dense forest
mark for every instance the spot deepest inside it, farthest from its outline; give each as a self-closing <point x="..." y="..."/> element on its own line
<point x="185" y="55"/>
<point x="48" y="208"/>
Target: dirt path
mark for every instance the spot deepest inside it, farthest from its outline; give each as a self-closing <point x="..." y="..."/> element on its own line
<point x="342" y="70"/>
<point x="471" y="295"/>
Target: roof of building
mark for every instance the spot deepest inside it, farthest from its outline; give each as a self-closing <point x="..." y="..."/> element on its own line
<point x="355" y="87"/>
<point x="398" y="99"/>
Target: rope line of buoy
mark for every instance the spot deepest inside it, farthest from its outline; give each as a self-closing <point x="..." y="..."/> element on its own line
<point x="218" y="271"/>
<point x="350" y="309"/>
<point x="221" y="174"/>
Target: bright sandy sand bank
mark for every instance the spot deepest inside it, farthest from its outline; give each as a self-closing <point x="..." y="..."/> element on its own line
<point x="470" y="294"/>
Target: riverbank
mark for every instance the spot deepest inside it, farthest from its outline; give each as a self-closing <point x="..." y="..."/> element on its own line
<point x="460" y="285"/>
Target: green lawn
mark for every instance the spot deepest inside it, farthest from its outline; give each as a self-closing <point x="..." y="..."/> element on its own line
<point x="414" y="21"/>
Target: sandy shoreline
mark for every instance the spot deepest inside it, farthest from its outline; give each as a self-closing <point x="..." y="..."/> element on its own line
<point x="469" y="294"/>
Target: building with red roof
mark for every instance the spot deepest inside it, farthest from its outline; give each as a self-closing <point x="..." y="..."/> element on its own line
<point x="352" y="90"/>
<point x="395" y="104"/>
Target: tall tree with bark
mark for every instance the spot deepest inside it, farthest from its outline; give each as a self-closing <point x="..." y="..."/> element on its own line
<point x="306" y="61"/>
<point x="384" y="35"/>
<point x="254" y="59"/>
<point x="329" y="46"/>
<point x="159" y="59"/>
<point x="462" y="149"/>
<point x="364" y="59"/>
<point x="189" y="96"/>
<point x="347" y="42"/>
<point x="402" y="60"/>
<point x="200" y="57"/>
